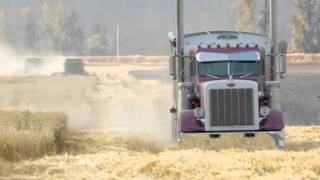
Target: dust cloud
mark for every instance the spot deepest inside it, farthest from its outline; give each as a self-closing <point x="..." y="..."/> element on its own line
<point x="13" y="63"/>
<point x="10" y="62"/>
<point x="127" y="104"/>
<point x="51" y="65"/>
<point x="114" y="101"/>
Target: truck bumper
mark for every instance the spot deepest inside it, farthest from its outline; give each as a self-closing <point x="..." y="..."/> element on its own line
<point x="250" y="140"/>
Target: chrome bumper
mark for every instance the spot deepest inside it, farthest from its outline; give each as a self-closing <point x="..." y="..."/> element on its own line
<point x="251" y="140"/>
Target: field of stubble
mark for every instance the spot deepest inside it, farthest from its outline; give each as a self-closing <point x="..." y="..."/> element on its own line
<point x="114" y="155"/>
<point x="118" y="128"/>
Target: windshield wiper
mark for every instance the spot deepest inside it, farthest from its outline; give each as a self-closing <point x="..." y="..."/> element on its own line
<point x="246" y="75"/>
<point x="209" y="75"/>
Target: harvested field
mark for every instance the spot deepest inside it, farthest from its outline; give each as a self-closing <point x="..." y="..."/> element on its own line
<point x="301" y="58"/>
<point x="114" y="155"/>
<point x="29" y="135"/>
<point x="129" y="60"/>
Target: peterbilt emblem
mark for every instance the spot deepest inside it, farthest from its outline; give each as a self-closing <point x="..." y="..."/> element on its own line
<point x="231" y="84"/>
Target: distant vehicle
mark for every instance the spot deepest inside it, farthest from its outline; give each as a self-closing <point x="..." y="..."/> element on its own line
<point x="33" y="65"/>
<point x="74" y="67"/>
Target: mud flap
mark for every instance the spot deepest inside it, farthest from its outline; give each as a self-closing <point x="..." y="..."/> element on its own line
<point x="255" y="140"/>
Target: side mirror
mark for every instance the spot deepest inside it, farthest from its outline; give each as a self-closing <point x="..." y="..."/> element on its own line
<point x="172" y="39"/>
<point x="172" y="67"/>
<point x="283" y="46"/>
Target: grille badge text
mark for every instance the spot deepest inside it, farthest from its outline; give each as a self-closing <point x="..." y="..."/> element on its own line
<point x="231" y="85"/>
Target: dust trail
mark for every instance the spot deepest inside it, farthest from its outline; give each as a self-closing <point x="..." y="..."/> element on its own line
<point x="127" y="104"/>
<point x="13" y="63"/>
<point x="50" y="65"/>
<point x="113" y="102"/>
<point x="10" y="62"/>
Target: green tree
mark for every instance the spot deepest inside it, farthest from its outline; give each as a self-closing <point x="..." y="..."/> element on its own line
<point x="305" y="26"/>
<point x="74" y="39"/>
<point x="57" y="27"/>
<point x="97" y="43"/>
<point x="243" y="14"/>
<point x="3" y="33"/>
<point x="47" y="43"/>
<point x="61" y="33"/>
<point x="30" y="29"/>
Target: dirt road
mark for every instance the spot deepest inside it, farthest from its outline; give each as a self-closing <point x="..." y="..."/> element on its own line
<point x="300" y="93"/>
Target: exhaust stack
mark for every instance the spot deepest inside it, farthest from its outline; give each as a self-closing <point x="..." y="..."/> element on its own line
<point x="179" y="41"/>
<point x="275" y="86"/>
<point x="274" y="22"/>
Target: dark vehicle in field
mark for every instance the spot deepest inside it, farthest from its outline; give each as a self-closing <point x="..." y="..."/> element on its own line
<point x="74" y="67"/>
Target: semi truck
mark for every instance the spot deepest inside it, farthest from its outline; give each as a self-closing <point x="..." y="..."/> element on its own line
<point x="227" y="82"/>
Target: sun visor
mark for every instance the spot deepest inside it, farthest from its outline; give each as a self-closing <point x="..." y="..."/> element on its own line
<point x="238" y="56"/>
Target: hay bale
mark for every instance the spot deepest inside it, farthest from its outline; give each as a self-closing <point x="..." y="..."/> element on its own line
<point x="29" y="135"/>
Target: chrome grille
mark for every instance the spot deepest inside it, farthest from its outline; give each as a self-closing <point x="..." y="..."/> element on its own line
<point x="231" y="107"/>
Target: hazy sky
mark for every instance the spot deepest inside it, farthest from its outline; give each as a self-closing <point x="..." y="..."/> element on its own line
<point x="144" y="24"/>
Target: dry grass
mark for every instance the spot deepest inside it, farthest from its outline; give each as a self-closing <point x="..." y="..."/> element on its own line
<point x="107" y="155"/>
<point x="29" y="135"/>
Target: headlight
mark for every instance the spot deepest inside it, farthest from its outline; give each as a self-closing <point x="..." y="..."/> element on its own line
<point x="198" y="112"/>
<point x="261" y="93"/>
<point x="264" y="111"/>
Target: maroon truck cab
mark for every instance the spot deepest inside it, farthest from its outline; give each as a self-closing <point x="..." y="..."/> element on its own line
<point x="228" y="86"/>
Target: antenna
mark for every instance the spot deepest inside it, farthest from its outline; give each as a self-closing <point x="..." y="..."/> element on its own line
<point x="118" y="48"/>
<point x="274" y="34"/>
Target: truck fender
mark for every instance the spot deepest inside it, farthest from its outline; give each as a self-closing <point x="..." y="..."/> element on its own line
<point x="189" y="123"/>
<point x="273" y="122"/>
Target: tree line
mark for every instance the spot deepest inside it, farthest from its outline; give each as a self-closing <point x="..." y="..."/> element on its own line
<point x="56" y="30"/>
<point x="305" y="26"/>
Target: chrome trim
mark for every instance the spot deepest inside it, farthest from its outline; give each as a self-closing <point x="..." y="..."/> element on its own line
<point x="222" y="85"/>
<point x="278" y="138"/>
<point x="239" y="56"/>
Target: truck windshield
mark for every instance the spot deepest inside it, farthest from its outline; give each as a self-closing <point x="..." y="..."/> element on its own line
<point x="226" y="68"/>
